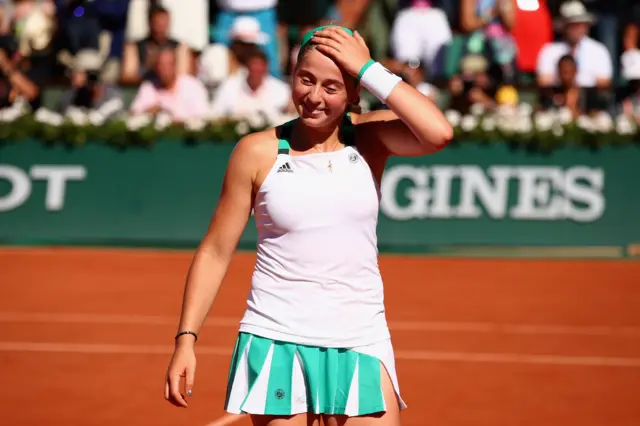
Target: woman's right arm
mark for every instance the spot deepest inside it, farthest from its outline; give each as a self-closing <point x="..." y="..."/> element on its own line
<point x="211" y="261"/>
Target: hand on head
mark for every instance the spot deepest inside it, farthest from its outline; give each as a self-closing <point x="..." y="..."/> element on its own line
<point x="350" y="52"/>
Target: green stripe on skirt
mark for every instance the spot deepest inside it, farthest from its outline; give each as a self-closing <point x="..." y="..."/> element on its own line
<point x="280" y="378"/>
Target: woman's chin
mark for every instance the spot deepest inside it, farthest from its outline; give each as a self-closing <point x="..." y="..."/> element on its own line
<point x="315" y="121"/>
<point x="318" y="121"/>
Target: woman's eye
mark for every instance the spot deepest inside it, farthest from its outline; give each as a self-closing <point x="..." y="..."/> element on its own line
<point x="331" y="90"/>
<point x="306" y="81"/>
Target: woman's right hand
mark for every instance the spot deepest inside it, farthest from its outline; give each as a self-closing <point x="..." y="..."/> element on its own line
<point x="183" y="364"/>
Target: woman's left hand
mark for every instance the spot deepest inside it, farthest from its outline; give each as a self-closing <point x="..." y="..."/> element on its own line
<point x="349" y="52"/>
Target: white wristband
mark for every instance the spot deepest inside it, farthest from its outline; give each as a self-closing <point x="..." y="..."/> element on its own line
<point x="379" y="81"/>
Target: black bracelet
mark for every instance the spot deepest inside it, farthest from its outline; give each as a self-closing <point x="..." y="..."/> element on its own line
<point x="187" y="332"/>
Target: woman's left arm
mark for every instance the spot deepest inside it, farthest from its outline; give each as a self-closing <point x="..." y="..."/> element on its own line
<point x="414" y="126"/>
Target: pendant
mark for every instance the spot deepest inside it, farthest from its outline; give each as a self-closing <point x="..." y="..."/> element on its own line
<point x="330" y="166"/>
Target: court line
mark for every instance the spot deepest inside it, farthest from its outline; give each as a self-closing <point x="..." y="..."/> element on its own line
<point x="468" y="357"/>
<point x="473" y="327"/>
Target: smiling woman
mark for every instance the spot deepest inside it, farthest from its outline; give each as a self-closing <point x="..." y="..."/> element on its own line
<point x="314" y="342"/>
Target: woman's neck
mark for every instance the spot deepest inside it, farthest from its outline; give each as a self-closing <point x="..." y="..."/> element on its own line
<point x="313" y="138"/>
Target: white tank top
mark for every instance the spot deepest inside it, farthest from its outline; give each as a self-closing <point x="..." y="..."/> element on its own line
<point x="316" y="279"/>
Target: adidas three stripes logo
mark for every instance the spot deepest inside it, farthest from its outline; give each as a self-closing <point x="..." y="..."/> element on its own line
<point x="285" y="168"/>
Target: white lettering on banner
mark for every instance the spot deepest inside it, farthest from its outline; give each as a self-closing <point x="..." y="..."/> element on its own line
<point x="541" y="192"/>
<point x="56" y="178"/>
<point x="20" y="187"/>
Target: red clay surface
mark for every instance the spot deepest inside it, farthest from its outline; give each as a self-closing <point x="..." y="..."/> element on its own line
<point x="86" y="336"/>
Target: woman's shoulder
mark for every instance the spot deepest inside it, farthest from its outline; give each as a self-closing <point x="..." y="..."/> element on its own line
<point x="258" y="147"/>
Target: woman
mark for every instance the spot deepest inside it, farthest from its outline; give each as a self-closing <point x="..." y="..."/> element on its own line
<point x="488" y="24"/>
<point x="314" y="340"/>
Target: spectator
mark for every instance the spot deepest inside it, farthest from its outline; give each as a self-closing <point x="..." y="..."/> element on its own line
<point x="488" y="24"/>
<point x="217" y="62"/>
<point x="182" y="96"/>
<point x="420" y="33"/>
<point x="630" y="37"/>
<point x="567" y="93"/>
<point x="35" y="54"/>
<point x="608" y="15"/>
<point x="113" y="18"/>
<point x="476" y="85"/>
<point x="256" y="92"/>
<point x="139" y="58"/>
<point x="302" y="16"/>
<point x="27" y="51"/>
<point x="631" y="73"/>
<point x="264" y="11"/>
<point x="88" y="90"/>
<point x="15" y="84"/>
<point x="595" y="68"/>
<point x="79" y="24"/>
<point x="532" y="30"/>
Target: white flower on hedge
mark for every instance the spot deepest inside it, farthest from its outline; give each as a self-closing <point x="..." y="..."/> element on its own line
<point x="477" y="109"/>
<point x="97" y="118"/>
<point x="195" y="124"/>
<point x="242" y="128"/>
<point x="558" y="130"/>
<point x="565" y="115"/>
<point x="524" y="124"/>
<point x="625" y="125"/>
<point x="506" y="111"/>
<point x="163" y="120"/>
<point x="9" y="115"/>
<point x="488" y="124"/>
<point x="453" y="117"/>
<point x="112" y="106"/>
<point x="506" y="124"/>
<point x="77" y="116"/>
<point x="469" y="123"/>
<point x="46" y="116"/>
<point x="525" y="109"/>
<point x="543" y="121"/>
<point x="603" y="122"/>
<point x="136" y="122"/>
<point x="586" y="123"/>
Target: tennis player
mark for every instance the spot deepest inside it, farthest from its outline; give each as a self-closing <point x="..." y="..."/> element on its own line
<point x="313" y="343"/>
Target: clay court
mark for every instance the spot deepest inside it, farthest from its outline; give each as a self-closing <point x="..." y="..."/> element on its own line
<point x="86" y="337"/>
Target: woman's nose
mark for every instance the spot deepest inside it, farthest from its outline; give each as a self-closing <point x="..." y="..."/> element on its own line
<point x="315" y="95"/>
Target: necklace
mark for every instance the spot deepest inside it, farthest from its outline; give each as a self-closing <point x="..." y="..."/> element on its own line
<point x="329" y="164"/>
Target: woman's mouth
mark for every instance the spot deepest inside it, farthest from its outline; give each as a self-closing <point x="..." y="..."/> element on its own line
<point x="311" y="111"/>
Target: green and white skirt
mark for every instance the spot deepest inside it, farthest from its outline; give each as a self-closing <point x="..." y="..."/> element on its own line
<point x="272" y="377"/>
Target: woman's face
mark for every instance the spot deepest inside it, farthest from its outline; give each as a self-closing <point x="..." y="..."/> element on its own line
<point x="321" y="90"/>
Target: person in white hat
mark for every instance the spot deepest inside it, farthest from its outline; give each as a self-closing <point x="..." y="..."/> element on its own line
<point x="219" y="62"/>
<point x="595" y="68"/>
<point x="263" y="13"/>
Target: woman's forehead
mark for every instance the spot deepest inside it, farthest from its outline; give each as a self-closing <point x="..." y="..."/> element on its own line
<point x="321" y="66"/>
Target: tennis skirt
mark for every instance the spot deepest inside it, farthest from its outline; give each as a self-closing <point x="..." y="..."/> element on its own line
<point x="271" y="377"/>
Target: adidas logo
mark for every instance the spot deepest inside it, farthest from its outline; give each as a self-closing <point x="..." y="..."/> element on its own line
<point x="285" y="168"/>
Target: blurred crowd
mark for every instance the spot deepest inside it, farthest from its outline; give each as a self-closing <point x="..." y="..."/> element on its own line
<point x="233" y="58"/>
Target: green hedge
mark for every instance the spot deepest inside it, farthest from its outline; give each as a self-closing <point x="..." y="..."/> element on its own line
<point x="537" y="132"/>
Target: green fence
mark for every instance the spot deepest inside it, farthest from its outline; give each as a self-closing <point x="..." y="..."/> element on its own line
<point x="470" y="194"/>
